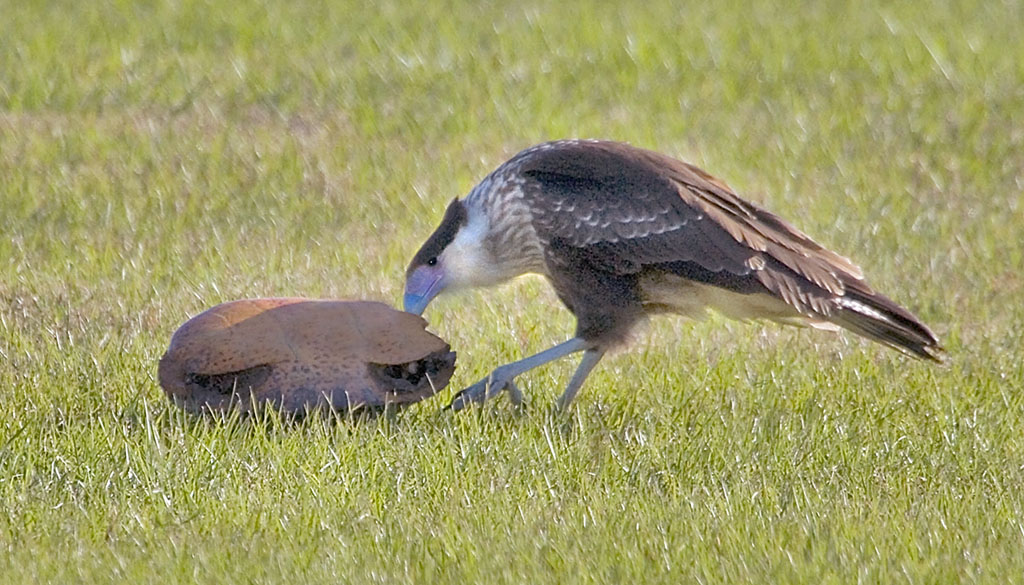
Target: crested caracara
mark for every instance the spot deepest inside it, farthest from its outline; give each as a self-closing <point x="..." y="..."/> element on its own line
<point x="622" y="233"/>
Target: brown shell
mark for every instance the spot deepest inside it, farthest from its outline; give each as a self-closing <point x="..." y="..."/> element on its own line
<point x="299" y="354"/>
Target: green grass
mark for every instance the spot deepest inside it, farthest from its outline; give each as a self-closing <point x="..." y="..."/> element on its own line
<point x="160" y="157"/>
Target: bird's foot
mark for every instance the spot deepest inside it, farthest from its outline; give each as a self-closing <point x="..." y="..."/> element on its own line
<point x="487" y="388"/>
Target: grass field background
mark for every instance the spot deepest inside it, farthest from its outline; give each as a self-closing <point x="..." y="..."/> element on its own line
<point x="159" y="157"/>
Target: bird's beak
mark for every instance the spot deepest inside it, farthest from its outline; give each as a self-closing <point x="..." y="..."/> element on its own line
<point x="421" y="287"/>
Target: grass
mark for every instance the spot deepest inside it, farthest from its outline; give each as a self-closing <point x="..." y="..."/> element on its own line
<point x="159" y="157"/>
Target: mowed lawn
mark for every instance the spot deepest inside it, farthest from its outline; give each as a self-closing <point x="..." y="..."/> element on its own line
<point x="157" y="158"/>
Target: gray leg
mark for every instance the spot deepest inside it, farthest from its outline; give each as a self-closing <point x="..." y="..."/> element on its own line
<point x="502" y="377"/>
<point x="590" y="359"/>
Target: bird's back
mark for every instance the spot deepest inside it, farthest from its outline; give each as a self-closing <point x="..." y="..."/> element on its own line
<point x="625" y="231"/>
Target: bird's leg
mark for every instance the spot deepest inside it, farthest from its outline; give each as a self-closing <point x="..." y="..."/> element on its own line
<point x="503" y="377"/>
<point x="590" y="359"/>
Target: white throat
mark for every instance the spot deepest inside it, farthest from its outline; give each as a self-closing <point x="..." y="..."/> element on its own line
<point x="467" y="260"/>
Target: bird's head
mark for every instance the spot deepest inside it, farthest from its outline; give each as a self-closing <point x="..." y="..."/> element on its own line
<point x="455" y="256"/>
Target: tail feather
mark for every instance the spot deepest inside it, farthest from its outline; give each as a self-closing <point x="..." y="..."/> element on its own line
<point x="877" y="317"/>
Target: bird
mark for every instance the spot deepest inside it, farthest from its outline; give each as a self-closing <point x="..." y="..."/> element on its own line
<point x="623" y="233"/>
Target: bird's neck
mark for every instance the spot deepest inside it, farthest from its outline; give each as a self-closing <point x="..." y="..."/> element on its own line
<point x="499" y="203"/>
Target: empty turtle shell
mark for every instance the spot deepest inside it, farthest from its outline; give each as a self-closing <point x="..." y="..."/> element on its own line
<point x="300" y="354"/>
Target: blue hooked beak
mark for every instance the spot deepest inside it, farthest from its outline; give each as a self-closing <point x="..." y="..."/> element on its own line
<point x="421" y="287"/>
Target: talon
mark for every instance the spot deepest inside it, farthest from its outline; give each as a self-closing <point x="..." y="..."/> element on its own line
<point x="459" y="401"/>
<point x="515" y="396"/>
<point x="456" y="404"/>
<point x="484" y="390"/>
<point x="474" y="393"/>
<point x="494" y="387"/>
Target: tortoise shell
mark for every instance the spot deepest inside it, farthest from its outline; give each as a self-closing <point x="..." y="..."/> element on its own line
<point x="299" y="354"/>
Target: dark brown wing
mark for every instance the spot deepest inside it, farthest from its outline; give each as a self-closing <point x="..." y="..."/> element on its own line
<point x="628" y="209"/>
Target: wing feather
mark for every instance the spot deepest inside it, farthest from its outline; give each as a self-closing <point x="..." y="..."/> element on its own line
<point x="630" y="208"/>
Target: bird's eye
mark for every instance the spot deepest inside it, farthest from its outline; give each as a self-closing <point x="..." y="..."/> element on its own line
<point x="432" y="261"/>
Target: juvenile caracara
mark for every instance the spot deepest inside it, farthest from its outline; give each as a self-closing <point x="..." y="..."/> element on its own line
<point x="622" y="233"/>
